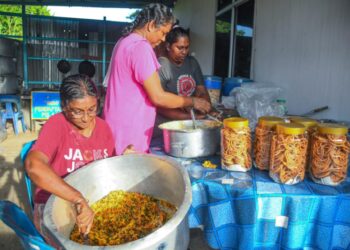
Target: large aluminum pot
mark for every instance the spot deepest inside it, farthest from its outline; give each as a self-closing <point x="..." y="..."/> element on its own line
<point x="182" y="140"/>
<point x="9" y="84"/>
<point x="8" y="47"/>
<point x="8" y="65"/>
<point x="158" y="176"/>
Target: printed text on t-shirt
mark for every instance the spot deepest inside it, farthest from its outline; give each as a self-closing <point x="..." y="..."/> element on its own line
<point x="79" y="158"/>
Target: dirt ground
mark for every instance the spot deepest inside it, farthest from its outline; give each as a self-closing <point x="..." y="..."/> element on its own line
<point x="12" y="188"/>
<point x="12" y="185"/>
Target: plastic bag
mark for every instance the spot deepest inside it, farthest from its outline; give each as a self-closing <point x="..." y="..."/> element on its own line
<point x="228" y="102"/>
<point x="257" y="99"/>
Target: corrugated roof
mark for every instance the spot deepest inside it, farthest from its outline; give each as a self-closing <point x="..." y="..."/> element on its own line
<point x="91" y="3"/>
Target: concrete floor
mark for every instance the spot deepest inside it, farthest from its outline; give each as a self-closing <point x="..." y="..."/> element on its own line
<point x="12" y="188"/>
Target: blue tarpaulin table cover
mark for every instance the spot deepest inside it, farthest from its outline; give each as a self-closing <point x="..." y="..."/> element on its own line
<point x="250" y="211"/>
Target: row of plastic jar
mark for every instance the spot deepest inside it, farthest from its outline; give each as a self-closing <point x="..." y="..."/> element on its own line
<point x="287" y="149"/>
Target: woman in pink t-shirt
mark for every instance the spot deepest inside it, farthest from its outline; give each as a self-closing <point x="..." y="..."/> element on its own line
<point x="134" y="89"/>
<point x="67" y="141"/>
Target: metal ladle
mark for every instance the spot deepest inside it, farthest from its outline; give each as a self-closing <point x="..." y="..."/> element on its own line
<point x="194" y="123"/>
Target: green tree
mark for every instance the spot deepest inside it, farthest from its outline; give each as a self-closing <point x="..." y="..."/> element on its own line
<point x="12" y="25"/>
<point x="222" y="26"/>
<point x="240" y="33"/>
<point x="133" y="15"/>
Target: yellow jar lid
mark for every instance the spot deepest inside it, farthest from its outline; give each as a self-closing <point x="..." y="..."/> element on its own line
<point x="269" y="121"/>
<point x="307" y="122"/>
<point x="236" y="122"/>
<point x="332" y="129"/>
<point x="290" y="129"/>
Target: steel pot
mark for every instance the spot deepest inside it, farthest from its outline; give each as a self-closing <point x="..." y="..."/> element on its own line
<point x="8" y="65"/>
<point x="181" y="140"/>
<point x="8" y="47"/>
<point x="9" y="84"/>
<point x="158" y="176"/>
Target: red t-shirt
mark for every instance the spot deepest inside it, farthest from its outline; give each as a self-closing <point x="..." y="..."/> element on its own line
<point x="68" y="150"/>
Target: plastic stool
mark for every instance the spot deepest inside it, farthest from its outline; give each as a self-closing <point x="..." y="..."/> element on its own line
<point x="25" y="150"/>
<point x="12" y="111"/>
<point x="18" y="221"/>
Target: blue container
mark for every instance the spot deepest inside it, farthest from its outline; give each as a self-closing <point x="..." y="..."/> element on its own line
<point x="212" y="82"/>
<point x="213" y="85"/>
<point x="233" y="82"/>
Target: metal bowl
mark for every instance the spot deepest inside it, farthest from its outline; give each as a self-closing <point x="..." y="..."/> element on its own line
<point x="181" y="140"/>
<point x="158" y="176"/>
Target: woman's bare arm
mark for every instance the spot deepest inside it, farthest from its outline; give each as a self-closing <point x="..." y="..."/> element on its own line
<point x="161" y="98"/>
<point x="39" y="171"/>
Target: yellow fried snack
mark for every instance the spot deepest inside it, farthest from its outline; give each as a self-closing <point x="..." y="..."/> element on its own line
<point x="209" y="164"/>
<point x="121" y="217"/>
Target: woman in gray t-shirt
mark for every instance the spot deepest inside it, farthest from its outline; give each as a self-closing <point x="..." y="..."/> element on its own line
<point x="179" y="74"/>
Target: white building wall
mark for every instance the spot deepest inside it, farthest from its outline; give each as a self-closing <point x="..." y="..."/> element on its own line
<point x="304" y="46"/>
<point x="199" y="16"/>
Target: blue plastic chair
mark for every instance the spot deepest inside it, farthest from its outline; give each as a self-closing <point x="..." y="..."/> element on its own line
<point x="18" y="221"/>
<point x="12" y="110"/>
<point x="25" y="149"/>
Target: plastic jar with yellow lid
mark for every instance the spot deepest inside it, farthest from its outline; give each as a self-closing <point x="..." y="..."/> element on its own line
<point x="262" y="143"/>
<point x="310" y="124"/>
<point x="311" y="128"/>
<point x="329" y="154"/>
<point x="236" y="145"/>
<point x="288" y="153"/>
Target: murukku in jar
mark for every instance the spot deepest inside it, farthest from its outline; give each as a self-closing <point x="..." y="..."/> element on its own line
<point x="288" y="153"/>
<point x="311" y="128"/>
<point x="236" y="145"/>
<point x="329" y="154"/>
<point x="263" y="134"/>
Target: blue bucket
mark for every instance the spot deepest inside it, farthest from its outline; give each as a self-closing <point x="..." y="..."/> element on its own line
<point x="213" y="85"/>
<point x="233" y="82"/>
<point x="212" y="82"/>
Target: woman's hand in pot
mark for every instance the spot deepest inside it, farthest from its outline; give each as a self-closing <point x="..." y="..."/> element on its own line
<point x="85" y="216"/>
<point x="201" y="105"/>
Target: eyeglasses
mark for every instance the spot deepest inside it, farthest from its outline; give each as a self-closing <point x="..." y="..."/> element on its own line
<point x="80" y="113"/>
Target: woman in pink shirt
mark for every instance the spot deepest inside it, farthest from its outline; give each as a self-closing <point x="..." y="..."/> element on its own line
<point x="134" y="89"/>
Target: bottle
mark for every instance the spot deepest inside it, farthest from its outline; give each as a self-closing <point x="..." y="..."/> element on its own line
<point x="282" y="106"/>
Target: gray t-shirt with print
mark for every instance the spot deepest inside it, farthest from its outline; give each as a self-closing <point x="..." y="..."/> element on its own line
<point x="181" y="80"/>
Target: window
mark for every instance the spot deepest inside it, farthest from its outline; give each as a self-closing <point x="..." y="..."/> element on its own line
<point x="243" y="39"/>
<point x="222" y="43"/>
<point x="233" y="52"/>
<point x="223" y="3"/>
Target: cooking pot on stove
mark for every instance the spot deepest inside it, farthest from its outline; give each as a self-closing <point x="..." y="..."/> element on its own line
<point x="182" y="140"/>
<point x="158" y="176"/>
